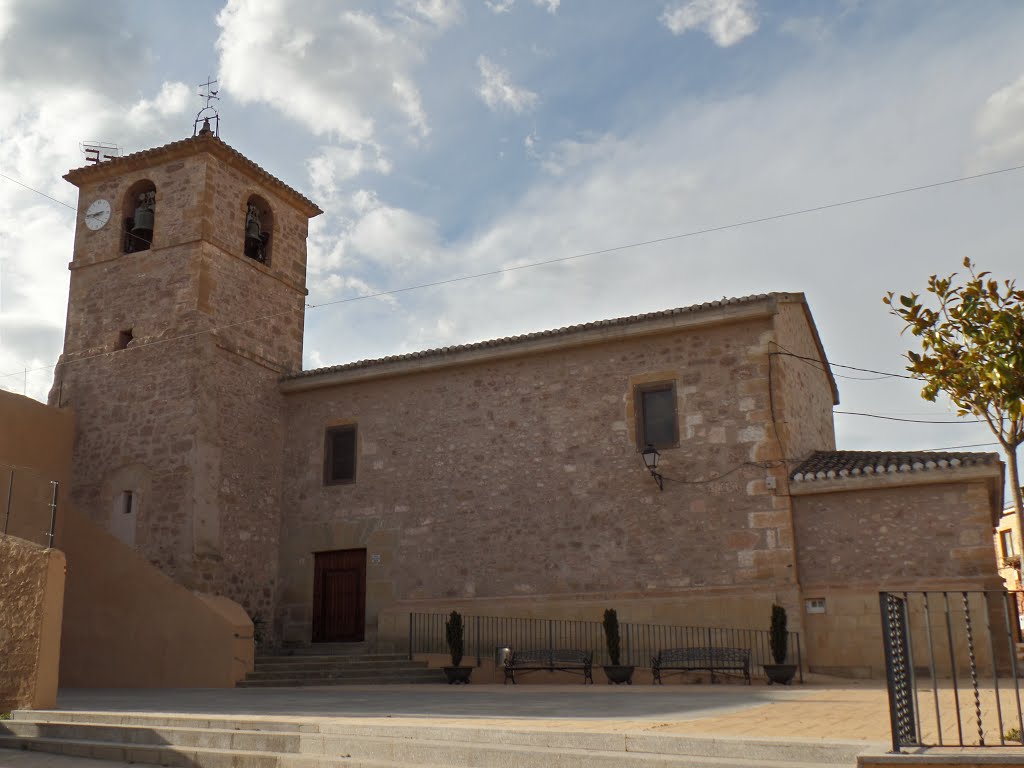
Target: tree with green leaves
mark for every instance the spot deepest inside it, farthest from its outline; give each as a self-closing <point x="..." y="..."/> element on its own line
<point x="972" y="348"/>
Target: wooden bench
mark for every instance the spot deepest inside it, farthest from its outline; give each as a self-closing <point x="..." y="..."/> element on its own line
<point x="550" y="659"/>
<point x="700" y="659"/>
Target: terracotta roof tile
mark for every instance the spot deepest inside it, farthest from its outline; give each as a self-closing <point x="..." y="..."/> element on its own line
<point x="513" y="340"/>
<point x="831" y="465"/>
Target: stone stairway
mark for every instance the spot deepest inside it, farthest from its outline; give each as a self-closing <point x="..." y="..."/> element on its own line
<point x="337" y="665"/>
<point x="257" y="742"/>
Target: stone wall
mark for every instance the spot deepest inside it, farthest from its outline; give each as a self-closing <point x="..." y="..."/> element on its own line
<point x="802" y="388"/>
<point x="520" y="478"/>
<point x="929" y="536"/>
<point x="187" y="416"/>
<point x="31" y="600"/>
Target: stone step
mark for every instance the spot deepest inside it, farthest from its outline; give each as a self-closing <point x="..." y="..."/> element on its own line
<point x="311" y="657"/>
<point x="271" y="666"/>
<point x="429" y="676"/>
<point x="323" y="649"/>
<point x="368" y="671"/>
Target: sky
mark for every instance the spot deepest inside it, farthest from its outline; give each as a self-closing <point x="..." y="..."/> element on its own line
<point x="449" y="138"/>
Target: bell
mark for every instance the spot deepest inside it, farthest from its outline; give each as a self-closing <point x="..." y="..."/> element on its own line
<point x="252" y="229"/>
<point x="142" y="222"/>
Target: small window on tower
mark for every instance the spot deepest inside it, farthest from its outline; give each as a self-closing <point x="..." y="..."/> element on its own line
<point x="259" y="224"/>
<point x="340" y="455"/>
<point x="124" y="338"/>
<point x="140" y="217"/>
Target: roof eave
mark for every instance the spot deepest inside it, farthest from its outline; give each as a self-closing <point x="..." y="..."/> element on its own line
<point x="574" y="336"/>
<point x="186" y="148"/>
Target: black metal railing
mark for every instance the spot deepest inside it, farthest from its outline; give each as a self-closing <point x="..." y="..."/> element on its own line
<point x="28" y="505"/>
<point x="951" y="668"/>
<point x="639" y="642"/>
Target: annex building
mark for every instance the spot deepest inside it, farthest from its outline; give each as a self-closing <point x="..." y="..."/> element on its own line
<point x="502" y="478"/>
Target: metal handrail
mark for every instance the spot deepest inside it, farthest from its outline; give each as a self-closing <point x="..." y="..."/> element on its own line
<point x="639" y="642"/>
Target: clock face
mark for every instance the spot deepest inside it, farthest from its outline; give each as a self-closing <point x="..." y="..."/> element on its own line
<point x="97" y="214"/>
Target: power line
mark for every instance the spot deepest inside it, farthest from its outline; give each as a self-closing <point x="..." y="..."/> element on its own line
<point x="33" y="189"/>
<point x="561" y="259"/>
<point x="815" y="362"/>
<point x="912" y="421"/>
<point x="668" y="238"/>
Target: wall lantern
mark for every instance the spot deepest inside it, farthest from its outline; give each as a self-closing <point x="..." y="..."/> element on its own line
<point x="651" y="457"/>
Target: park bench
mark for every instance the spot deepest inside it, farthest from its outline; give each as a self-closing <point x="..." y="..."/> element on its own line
<point x="701" y="659"/>
<point x="550" y="659"/>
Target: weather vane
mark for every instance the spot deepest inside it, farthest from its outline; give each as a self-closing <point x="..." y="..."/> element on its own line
<point x="208" y="112"/>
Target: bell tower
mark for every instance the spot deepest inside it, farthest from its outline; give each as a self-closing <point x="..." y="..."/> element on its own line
<point x="186" y="306"/>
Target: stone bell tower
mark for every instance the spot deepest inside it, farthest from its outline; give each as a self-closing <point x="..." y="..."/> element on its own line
<point x="186" y="307"/>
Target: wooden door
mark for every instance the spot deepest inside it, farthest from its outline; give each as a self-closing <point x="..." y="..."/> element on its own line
<point x="339" y="596"/>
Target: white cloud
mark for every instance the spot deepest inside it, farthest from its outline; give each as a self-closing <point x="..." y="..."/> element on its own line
<point x="441" y="13"/>
<point x="173" y="99"/>
<point x="1000" y="127"/>
<point x="500" y="6"/>
<point x="338" y="71"/>
<point x="726" y="22"/>
<point x="334" y="165"/>
<point x="498" y="91"/>
<point x="550" y="5"/>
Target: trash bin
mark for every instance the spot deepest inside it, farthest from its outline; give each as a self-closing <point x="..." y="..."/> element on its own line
<point x="501" y="653"/>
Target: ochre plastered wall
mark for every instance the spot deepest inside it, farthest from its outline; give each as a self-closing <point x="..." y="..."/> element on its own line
<point x="124" y="622"/>
<point x="128" y="625"/>
<point x="31" y="601"/>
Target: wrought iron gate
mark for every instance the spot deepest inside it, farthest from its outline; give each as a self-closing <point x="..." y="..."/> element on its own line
<point x="899" y="670"/>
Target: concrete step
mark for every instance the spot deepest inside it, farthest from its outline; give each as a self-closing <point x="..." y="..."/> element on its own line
<point x="156" y="735"/>
<point x="262" y="724"/>
<point x="198" y="742"/>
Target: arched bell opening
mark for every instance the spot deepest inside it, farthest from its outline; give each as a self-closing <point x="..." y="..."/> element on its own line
<point x="259" y="225"/>
<point x="140" y="216"/>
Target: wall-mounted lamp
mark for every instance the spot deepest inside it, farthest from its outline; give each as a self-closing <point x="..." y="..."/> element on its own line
<point x="651" y="457"/>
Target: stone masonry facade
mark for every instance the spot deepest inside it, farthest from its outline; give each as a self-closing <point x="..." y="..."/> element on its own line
<point x="502" y="478"/>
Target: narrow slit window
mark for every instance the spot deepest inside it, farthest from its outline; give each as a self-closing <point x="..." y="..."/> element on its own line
<point x="340" y="455"/>
<point x="124" y="338"/>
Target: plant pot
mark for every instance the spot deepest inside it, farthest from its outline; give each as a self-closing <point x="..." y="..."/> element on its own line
<point x="780" y="673"/>
<point x="619" y="673"/>
<point x="458" y="675"/>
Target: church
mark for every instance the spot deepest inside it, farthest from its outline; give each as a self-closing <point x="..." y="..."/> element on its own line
<point x="679" y="466"/>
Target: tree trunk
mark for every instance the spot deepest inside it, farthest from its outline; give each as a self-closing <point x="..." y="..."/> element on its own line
<point x="1011" y="463"/>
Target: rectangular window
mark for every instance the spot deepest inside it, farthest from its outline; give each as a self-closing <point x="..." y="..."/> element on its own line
<point x="657" y="424"/>
<point x="1006" y="539"/>
<point x="340" y="455"/>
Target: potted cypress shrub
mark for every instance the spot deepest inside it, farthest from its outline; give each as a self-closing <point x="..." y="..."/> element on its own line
<point x="615" y="672"/>
<point x="779" y="672"/>
<point x="454" y="632"/>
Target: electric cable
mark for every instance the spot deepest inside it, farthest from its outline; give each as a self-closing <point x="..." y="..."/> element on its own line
<point x="547" y="262"/>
